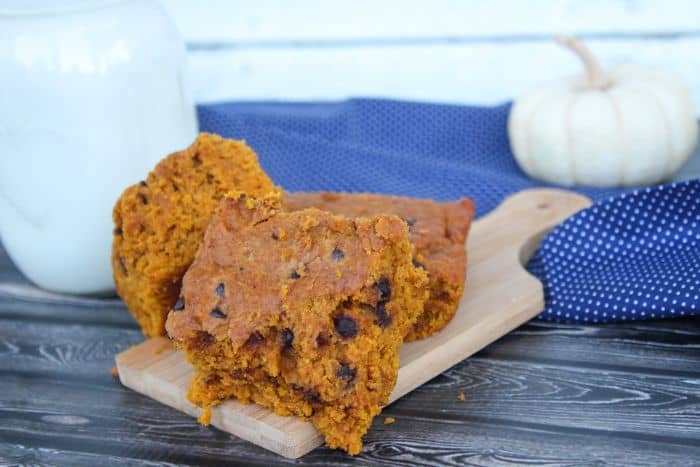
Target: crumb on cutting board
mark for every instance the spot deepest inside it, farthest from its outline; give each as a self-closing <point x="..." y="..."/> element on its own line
<point x="461" y="396"/>
<point x="205" y="418"/>
<point x="389" y="420"/>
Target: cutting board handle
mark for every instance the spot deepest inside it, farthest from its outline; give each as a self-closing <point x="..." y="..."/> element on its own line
<point x="499" y="296"/>
<point x="523" y="219"/>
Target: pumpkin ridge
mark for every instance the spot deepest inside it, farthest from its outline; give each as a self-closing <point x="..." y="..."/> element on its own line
<point x="569" y="143"/>
<point x="620" y="140"/>
<point x="602" y="128"/>
<point x="529" y="120"/>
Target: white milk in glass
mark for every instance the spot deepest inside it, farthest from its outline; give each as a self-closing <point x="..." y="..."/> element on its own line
<point x="93" y="94"/>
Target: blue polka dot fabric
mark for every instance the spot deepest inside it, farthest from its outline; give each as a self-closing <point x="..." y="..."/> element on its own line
<point x="384" y="146"/>
<point x="634" y="256"/>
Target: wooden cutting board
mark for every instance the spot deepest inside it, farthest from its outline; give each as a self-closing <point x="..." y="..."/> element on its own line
<point x="499" y="296"/>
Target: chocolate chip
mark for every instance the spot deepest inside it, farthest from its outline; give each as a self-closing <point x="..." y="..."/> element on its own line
<point x="337" y="255"/>
<point x="143" y="183"/>
<point x="346" y="372"/>
<point x="418" y="264"/>
<point x="294" y="275"/>
<point x="322" y="340"/>
<point x="346" y="327"/>
<point x="212" y="379"/>
<point x="220" y="289"/>
<point x="179" y="304"/>
<point x="143" y="199"/>
<point x="410" y="221"/>
<point x="255" y="339"/>
<point x="274" y="235"/>
<point x="287" y="338"/>
<point x="117" y="231"/>
<point x="384" y="288"/>
<point x="217" y="313"/>
<point x="202" y="339"/>
<point x="122" y="263"/>
<point x="312" y="396"/>
<point x="383" y="318"/>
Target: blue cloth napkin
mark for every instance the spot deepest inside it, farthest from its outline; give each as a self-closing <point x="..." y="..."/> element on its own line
<point x="634" y="256"/>
<point x="448" y="151"/>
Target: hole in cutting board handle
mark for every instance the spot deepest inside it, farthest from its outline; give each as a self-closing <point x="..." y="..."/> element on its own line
<point x="547" y="207"/>
<point x="528" y="248"/>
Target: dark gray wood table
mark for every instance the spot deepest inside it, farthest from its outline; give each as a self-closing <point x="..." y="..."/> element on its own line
<point x="546" y="394"/>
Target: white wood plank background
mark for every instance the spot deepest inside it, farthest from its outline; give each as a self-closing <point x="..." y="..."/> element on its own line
<point x="477" y="51"/>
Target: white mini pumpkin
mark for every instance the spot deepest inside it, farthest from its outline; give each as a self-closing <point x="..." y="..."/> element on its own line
<point x="634" y="125"/>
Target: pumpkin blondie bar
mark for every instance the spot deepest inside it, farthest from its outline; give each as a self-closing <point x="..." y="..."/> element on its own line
<point x="437" y="230"/>
<point x="160" y="222"/>
<point x="301" y="312"/>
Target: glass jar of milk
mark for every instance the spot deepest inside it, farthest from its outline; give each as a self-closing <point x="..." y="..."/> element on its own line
<point x="92" y="95"/>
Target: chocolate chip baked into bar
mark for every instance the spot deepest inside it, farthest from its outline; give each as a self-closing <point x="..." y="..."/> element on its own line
<point x="437" y="230"/>
<point x="302" y="312"/>
<point x="160" y="222"/>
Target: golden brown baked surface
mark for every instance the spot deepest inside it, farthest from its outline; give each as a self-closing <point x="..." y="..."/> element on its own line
<point x="301" y="312"/>
<point x="159" y="222"/>
<point x="437" y="230"/>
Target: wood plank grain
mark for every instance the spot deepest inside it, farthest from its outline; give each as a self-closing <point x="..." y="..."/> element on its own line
<point x="18" y="454"/>
<point x="223" y="20"/>
<point x="58" y="313"/>
<point x="624" y="347"/>
<point x="422" y="441"/>
<point x="641" y="406"/>
<point x="23" y="301"/>
<point x="432" y="425"/>
<point x="19" y="299"/>
<point x="75" y="349"/>
<point x="470" y="73"/>
<point x="30" y="292"/>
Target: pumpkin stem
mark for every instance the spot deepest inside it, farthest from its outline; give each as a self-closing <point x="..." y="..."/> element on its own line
<point x="597" y="79"/>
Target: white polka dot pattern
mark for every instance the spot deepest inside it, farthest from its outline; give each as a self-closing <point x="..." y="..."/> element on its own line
<point x="634" y="256"/>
